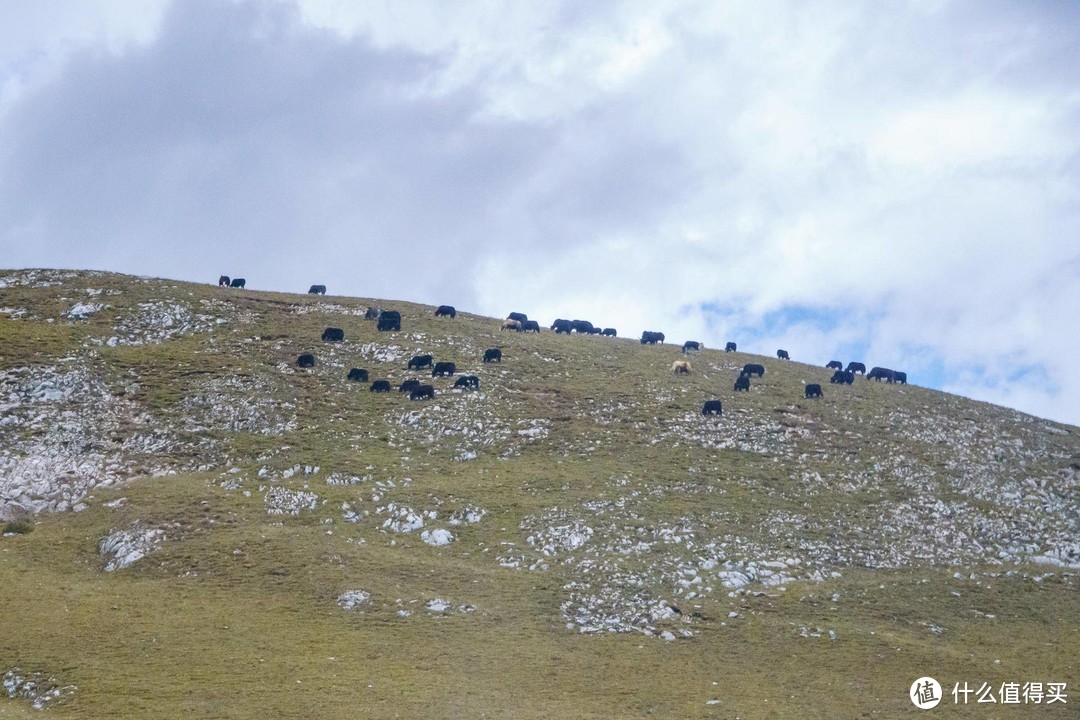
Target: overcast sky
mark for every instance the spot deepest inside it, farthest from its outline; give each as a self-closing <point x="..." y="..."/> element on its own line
<point x="897" y="183"/>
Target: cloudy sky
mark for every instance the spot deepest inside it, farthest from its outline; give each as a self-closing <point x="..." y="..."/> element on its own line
<point x="896" y="182"/>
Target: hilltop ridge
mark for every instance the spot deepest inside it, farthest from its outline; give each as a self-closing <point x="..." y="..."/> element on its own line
<point x="159" y="436"/>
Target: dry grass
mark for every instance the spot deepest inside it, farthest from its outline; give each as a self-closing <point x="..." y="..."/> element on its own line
<point x="234" y="615"/>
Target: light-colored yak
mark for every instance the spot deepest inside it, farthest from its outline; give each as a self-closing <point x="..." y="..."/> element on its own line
<point x="681" y="366"/>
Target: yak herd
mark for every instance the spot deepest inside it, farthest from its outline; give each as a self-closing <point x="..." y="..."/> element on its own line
<point x="811" y="391"/>
<point x="390" y="320"/>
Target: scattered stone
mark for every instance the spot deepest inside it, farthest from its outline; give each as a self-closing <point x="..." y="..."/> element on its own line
<point x="401" y="519"/>
<point x="38" y="688"/>
<point x="437" y="537"/>
<point x="353" y="598"/>
<point x="283" y="501"/>
<point x="121" y="548"/>
<point x="83" y="310"/>
<point x="467" y="516"/>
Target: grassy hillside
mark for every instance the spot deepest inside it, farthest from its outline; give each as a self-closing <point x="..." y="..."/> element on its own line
<point x="206" y="530"/>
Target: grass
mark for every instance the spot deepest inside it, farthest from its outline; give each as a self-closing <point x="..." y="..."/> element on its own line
<point x="243" y="638"/>
<point x="234" y="615"/>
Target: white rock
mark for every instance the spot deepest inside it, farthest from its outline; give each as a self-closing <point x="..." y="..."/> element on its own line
<point x="83" y="310"/>
<point x="124" y="547"/>
<point x="351" y="598"/>
<point x="437" y="537"/>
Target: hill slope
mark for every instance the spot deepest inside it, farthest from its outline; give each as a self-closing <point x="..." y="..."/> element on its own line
<point x="573" y="540"/>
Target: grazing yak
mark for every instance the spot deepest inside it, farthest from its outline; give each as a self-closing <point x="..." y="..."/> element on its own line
<point x="358" y="375"/>
<point x="562" y="326"/>
<point x="730" y="347"/>
<point x="609" y="332"/>
<point x="681" y="367"/>
<point x="712" y="407"/>
<point x="446" y="311"/>
<point x="372" y="313"/>
<point x="842" y="377"/>
<point x="742" y="383"/>
<point x="753" y="369"/>
<point x="420" y="361"/>
<point x="813" y="390"/>
<point x="317" y="290"/>
<point x="380" y="386"/>
<point x="856" y="367"/>
<point x="238" y="283"/>
<point x="880" y="373"/>
<point x="520" y="317"/>
<point x="651" y="338"/>
<point x="530" y="326"/>
<point x="389" y="320"/>
<point x="691" y="345"/>
<point x="468" y="381"/>
<point x="493" y="355"/>
<point x="333" y="335"/>
<point x="835" y="365"/>
<point x="306" y="360"/>
<point x="900" y="377"/>
<point x="509" y="324"/>
<point x="422" y="391"/>
<point x="409" y="385"/>
<point x="581" y="327"/>
<point x="782" y="354"/>
<point x="223" y="281"/>
<point x="443" y="368"/>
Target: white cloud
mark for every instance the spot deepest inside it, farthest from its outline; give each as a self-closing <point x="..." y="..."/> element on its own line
<point x="974" y="129"/>
<point x="37" y="38"/>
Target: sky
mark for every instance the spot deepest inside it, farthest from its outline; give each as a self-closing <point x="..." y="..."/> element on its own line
<point x="896" y="183"/>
